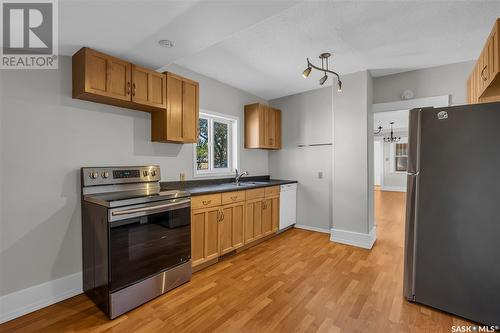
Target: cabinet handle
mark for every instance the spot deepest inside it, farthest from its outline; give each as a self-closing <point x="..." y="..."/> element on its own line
<point x="133" y="89"/>
<point x="482" y="73"/>
<point x="206" y="202"/>
<point x="234" y="198"/>
<point x="222" y="215"/>
<point x="128" y="88"/>
<point x="218" y="216"/>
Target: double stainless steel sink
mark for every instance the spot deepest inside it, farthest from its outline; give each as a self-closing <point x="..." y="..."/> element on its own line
<point x="243" y="184"/>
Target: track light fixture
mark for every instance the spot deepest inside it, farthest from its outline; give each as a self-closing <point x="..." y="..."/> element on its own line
<point x="324" y="68"/>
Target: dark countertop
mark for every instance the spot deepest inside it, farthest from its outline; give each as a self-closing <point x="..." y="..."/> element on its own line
<point x="208" y="186"/>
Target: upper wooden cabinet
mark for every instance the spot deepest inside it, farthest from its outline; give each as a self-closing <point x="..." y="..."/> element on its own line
<point x="262" y="127"/>
<point x="172" y="99"/>
<point x="179" y="122"/>
<point x="149" y="87"/>
<point x="101" y="78"/>
<point x="483" y="84"/>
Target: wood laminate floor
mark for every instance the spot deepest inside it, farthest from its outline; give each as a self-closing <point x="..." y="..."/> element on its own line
<point x="297" y="281"/>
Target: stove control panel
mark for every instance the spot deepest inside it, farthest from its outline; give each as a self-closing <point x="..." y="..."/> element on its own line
<point x="120" y="175"/>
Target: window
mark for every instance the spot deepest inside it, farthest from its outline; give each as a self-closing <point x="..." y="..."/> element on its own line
<point x="399" y="157"/>
<point x="215" y="153"/>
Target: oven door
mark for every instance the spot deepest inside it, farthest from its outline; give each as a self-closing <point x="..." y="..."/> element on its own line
<point x="147" y="239"/>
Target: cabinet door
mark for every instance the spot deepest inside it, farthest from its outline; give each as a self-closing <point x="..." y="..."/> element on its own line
<point x="148" y="87"/>
<point x="272" y="128"/>
<point x="491" y="65"/>
<point x="267" y="217"/>
<point x="275" y="214"/>
<point x="253" y="220"/>
<point x="232" y="227"/>
<point x="277" y="129"/>
<point x="174" y="108"/>
<point x="107" y="76"/>
<point x="269" y="127"/>
<point x="204" y="235"/>
<point x="190" y="111"/>
<point x="272" y="120"/>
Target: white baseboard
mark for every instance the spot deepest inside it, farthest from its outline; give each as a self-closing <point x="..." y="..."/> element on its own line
<point x="358" y="239"/>
<point x="307" y="227"/>
<point x="24" y="301"/>
<point x="393" y="188"/>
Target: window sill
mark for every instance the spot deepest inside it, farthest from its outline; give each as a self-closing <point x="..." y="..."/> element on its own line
<point x="212" y="174"/>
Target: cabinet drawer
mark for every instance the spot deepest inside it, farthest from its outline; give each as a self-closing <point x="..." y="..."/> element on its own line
<point x="204" y="201"/>
<point x="255" y="193"/>
<point x="230" y="197"/>
<point x="271" y="191"/>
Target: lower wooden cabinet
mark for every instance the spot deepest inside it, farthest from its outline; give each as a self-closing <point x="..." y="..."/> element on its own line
<point x="205" y="235"/>
<point x="270" y="220"/>
<point x="221" y="223"/>
<point x="253" y="220"/>
<point x="232" y="227"/>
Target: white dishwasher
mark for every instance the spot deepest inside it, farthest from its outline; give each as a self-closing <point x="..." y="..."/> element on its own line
<point x="288" y="205"/>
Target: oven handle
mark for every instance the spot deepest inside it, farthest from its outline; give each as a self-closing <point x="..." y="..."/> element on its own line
<point x="150" y="208"/>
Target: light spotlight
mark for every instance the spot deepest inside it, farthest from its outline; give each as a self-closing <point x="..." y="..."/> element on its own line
<point x="323" y="79"/>
<point x="306" y="72"/>
<point x="339" y="86"/>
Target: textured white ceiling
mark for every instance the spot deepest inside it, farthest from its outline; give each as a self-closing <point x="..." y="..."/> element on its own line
<point x="261" y="46"/>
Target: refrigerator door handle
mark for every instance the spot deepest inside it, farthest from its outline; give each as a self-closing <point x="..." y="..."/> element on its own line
<point x="413" y="173"/>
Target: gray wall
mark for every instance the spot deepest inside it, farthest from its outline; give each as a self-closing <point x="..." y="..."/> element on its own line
<point x="353" y="155"/>
<point x="47" y="136"/>
<point x="306" y="119"/>
<point x="434" y="81"/>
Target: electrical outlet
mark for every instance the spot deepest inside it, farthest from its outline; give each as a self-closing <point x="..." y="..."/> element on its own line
<point x="182" y="176"/>
<point x="320" y="174"/>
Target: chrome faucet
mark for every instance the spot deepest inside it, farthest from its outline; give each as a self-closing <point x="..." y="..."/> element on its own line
<point x="238" y="176"/>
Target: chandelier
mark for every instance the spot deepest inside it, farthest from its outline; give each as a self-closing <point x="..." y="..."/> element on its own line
<point x="324" y="68"/>
<point x="392" y="138"/>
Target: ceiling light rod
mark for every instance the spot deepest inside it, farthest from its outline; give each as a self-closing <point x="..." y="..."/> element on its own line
<point x="392" y="138"/>
<point x="324" y="60"/>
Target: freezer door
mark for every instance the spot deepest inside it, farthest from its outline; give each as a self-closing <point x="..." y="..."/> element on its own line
<point x="411" y="202"/>
<point x="457" y="259"/>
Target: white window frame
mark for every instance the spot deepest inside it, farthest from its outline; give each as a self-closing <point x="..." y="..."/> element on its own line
<point x="233" y="144"/>
<point x="392" y="154"/>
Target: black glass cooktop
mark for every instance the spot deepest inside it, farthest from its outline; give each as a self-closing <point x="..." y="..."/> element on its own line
<point x="125" y="198"/>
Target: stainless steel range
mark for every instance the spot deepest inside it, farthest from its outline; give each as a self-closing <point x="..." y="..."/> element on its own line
<point x="136" y="238"/>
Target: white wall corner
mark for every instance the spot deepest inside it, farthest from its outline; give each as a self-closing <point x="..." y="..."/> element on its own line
<point x="353" y="238"/>
<point x="24" y="301"/>
<point x="310" y="228"/>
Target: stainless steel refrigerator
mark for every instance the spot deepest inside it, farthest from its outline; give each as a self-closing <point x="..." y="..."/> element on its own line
<point x="452" y="241"/>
